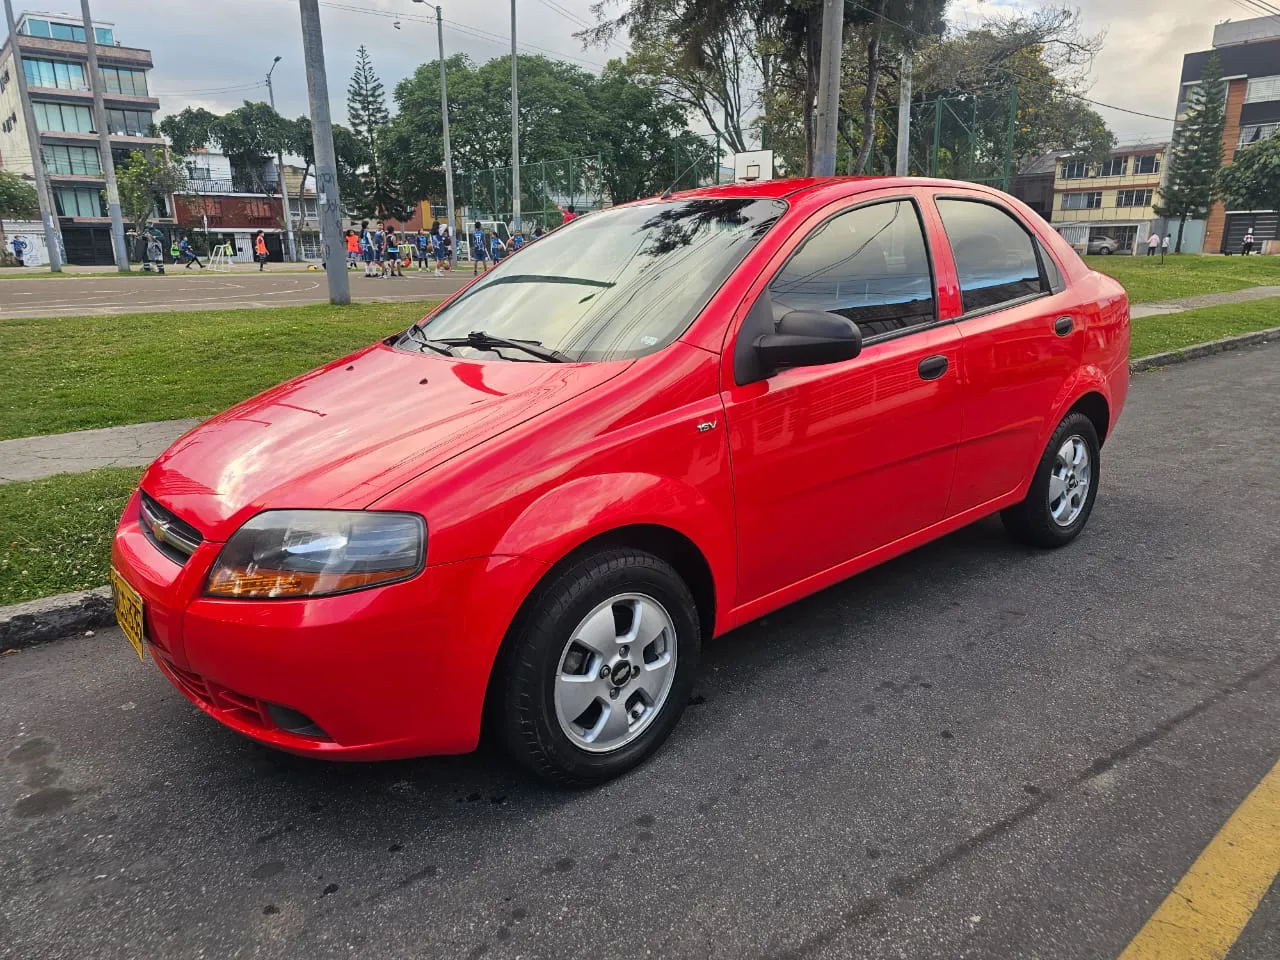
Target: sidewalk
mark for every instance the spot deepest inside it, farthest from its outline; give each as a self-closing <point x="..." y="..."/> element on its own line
<point x="33" y="458"/>
<point x="1203" y="300"/>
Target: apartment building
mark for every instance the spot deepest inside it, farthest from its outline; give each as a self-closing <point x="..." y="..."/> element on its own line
<point x="1250" y="54"/>
<point x="51" y="51"/>
<point x="1112" y="199"/>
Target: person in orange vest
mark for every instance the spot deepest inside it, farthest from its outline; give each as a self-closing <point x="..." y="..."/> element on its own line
<point x="260" y="250"/>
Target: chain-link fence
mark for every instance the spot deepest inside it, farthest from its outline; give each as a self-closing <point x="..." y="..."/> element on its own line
<point x="547" y="189"/>
<point x="967" y="137"/>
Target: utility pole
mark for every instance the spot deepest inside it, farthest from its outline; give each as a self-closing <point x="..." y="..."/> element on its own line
<point x="104" y="143"/>
<point x="52" y="236"/>
<point x="515" y="129"/>
<point x="824" y="160"/>
<point x="328" y="200"/>
<point x="904" y="115"/>
<point x="448" y="154"/>
<point x="284" y="188"/>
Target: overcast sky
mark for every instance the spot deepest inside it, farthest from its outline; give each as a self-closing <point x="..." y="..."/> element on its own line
<point x="202" y="49"/>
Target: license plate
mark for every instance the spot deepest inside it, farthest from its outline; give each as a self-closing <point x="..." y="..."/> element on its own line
<point x="128" y="608"/>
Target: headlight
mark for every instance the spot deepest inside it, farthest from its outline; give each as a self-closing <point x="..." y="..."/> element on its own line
<point x="313" y="553"/>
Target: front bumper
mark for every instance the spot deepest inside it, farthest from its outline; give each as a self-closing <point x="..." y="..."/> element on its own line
<point x="391" y="672"/>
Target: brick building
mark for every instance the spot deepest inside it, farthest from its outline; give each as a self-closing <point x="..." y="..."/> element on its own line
<point x="54" y="59"/>
<point x="1250" y="55"/>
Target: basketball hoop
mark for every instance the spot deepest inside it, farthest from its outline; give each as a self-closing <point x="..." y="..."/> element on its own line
<point x="752" y="172"/>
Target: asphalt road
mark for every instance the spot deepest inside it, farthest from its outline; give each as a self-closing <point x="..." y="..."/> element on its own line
<point x="182" y="289"/>
<point x="974" y="751"/>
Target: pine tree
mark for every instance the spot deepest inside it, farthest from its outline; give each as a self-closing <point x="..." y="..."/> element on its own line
<point x="368" y="115"/>
<point x="1197" y="151"/>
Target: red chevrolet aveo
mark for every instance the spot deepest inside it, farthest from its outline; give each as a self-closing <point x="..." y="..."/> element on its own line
<point x="642" y="431"/>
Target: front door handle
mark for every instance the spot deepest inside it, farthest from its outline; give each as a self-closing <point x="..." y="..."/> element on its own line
<point x="1062" y="326"/>
<point x="931" y="368"/>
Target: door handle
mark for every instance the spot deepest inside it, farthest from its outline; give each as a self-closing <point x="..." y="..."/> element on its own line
<point x="1063" y="325"/>
<point x="931" y="368"/>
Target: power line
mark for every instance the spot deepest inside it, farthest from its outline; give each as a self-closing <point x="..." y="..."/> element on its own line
<point x="208" y="90"/>
<point x="466" y="28"/>
<point x="1018" y="76"/>
<point x="569" y="15"/>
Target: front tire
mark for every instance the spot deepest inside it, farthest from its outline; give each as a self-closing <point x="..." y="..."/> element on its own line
<point x="601" y="668"/>
<point x="1062" y="492"/>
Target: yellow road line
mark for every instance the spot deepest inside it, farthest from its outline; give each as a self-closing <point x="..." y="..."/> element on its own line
<point x="1208" y="909"/>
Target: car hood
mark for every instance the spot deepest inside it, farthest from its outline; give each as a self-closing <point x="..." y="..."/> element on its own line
<point x="344" y="435"/>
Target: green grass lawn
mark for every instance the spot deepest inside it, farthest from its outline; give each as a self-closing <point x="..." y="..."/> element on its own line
<point x="1149" y="281"/>
<point x="1170" y="331"/>
<point x="74" y="373"/>
<point x="55" y="534"/>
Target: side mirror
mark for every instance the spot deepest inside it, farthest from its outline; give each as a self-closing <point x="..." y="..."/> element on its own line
<point x="808" y="338"/>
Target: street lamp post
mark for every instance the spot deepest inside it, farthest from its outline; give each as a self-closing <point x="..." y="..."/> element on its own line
<point x="284" y="188"/>
<point x="448" y="156"/>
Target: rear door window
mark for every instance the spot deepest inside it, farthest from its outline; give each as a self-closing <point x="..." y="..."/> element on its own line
<point x="994" y="254"/>
<point x="869" y="265"/>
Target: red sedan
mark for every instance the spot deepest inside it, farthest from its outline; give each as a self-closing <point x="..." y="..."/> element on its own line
<point x="650" y="427"/>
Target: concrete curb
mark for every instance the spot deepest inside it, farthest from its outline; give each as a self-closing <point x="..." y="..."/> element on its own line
<point x="1157" y="360"/>
<point x="51" y="618"/>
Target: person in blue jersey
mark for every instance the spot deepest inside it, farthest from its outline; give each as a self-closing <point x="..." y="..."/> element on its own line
<point x="497" y="249"/>
<point x="479" y="252"/>
<point x="437" y="245"/>
<point x="394" y="266"/>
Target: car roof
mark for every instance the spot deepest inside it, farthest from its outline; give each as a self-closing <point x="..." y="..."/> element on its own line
<point x="778" y="189"/>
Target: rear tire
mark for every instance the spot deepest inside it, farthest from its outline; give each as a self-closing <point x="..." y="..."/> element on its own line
<point x="601" y="667"/>
<point x="1063" y="490"/>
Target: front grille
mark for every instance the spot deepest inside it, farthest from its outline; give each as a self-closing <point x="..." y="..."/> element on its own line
<point x="173" y="537"/>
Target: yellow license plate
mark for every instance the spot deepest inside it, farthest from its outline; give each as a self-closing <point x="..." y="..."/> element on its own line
<point x="128" y="608"/>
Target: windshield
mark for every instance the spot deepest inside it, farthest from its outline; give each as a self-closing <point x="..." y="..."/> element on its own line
<point x="610" y="286"/>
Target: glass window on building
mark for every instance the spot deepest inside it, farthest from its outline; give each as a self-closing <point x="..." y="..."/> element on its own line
<point x="1133" y="198"/>
<point x="1075" y="170"/>
<point x="1115" y="167"/>
<point x="1262" y="88"/>
<point x="1255" y="132"/>
<point x="73" y="161"/>
<point x="37" y="28"/>
<point x="54" y="74"/>
<point x="63" y="118"/>
<point x="129" y="123"/>
<point x="68" y="31"/>
<point x="124" y="80"/>
<point x="79" y="202"/>
<point x="1147" y="163"/>
<point x="105" y="36"/>
<point x="1084" y="200"/>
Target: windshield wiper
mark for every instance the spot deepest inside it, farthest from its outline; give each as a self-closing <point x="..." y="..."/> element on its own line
<point x="439" y="346"/>
<point x="481" y="340"/>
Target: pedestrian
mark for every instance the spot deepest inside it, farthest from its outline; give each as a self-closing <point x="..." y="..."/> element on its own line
<point x="421" y="248"/>
<point x="1153" y="243"/>
<point x="353" y="249"/>
<point x="155" y="253"/>
<point x="260" y="250"/>
<point x="20" y="250"/>
<point x="378" y="239"/>
<point x="478" y="252"/>
<point x="446" y="243"/>
<point x="537" y="233"/>
<point x="1164" y="244"/>
<point x="569" y="215"/>
<point x="517" y="241"/>
<point x="1246" y="244"/>
<point x="188" y="253"/>
<point x="393" y="252"/>
<point x="497" y="249"/>
<point x="437" y="245"/>
<point x="366" y="247"/>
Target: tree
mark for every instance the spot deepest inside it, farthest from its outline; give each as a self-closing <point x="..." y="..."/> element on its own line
<point x="251" y="135"/>
<point x="189" y="130"/>
<point x="350" y="155"/>
<point x="1197" y="151"/>
<point x="146" y="182"/>
<point x="369" y="118"/>
<point x="1252" y="180"/>
<point x="18" y="201"/>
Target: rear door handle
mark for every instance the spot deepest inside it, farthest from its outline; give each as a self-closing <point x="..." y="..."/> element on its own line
<point x="1062" y="326"/>
<point x="931" y="368"/>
